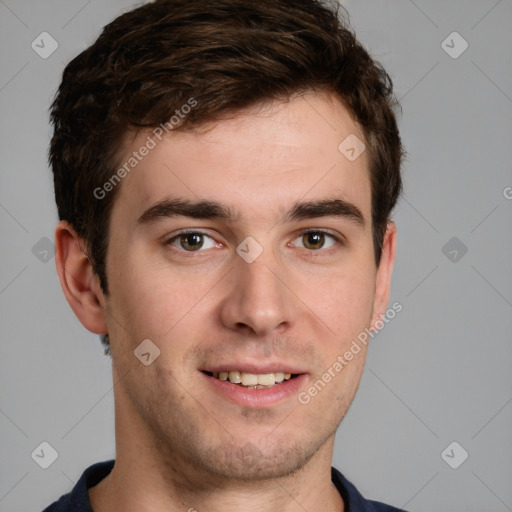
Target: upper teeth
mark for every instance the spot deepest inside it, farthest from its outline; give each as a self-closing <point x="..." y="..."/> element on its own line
<point x="251" y="379"/>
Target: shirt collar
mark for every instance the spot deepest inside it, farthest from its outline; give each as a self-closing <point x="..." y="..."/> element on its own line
<point x="78" y="499"/>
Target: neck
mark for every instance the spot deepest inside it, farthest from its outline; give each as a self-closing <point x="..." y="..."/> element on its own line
<point x="150" y="477"/>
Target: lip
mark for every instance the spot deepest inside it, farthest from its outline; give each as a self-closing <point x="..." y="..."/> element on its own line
<point x="256" y="398"/>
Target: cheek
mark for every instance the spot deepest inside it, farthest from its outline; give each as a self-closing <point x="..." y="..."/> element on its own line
<point x="147" y="309"/>
<point x="343" y="301"/>
<point x="151" y="300"/>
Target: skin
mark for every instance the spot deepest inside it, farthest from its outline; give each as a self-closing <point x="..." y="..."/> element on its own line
<point x="178" y="440"/>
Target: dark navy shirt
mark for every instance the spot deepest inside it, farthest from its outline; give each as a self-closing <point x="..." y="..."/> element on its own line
<point x="78" y="499"/>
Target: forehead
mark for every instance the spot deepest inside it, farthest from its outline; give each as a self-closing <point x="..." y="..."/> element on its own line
<point x="258" y="162"/>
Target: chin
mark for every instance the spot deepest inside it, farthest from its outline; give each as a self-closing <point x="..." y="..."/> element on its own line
<point x="251" y="462"/>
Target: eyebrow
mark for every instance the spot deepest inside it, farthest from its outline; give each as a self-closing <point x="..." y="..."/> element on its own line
<point x="169" y="208"/>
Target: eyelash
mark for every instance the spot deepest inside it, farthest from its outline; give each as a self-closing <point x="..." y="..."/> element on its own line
<point x="337" y="239"/>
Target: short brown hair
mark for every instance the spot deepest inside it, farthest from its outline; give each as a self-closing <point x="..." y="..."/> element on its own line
<point x="228" y="55"/>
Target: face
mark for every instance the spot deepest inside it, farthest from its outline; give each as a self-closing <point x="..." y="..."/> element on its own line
<point x="243" y="248"/>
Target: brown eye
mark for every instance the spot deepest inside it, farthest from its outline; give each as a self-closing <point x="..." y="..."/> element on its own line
<point x="193" y="241"/>
<point x="315" y="240"/>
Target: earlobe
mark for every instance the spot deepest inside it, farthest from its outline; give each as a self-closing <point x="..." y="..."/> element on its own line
<point x="78" y="280"/>
<point x="384" y="271"/>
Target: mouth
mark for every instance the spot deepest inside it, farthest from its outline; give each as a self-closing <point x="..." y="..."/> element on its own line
<point x="252" y="380"/>
<point x="255" y="386"/>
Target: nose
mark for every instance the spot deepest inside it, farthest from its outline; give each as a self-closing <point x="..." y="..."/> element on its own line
<point x="258" y="300"/>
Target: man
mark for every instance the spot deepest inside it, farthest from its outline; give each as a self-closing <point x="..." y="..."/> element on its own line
<point x="224" y="175"/>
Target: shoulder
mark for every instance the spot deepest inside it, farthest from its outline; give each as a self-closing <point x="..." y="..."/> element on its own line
<point x="353" y="498"/>
<point x="78" y="499"/>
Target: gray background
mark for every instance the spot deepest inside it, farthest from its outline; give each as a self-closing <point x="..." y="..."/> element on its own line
<point x="438" y="373"/>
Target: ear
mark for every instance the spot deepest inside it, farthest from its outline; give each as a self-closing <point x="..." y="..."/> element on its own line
<point x="384" y="271"/>
<point x="79" y="283"/>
